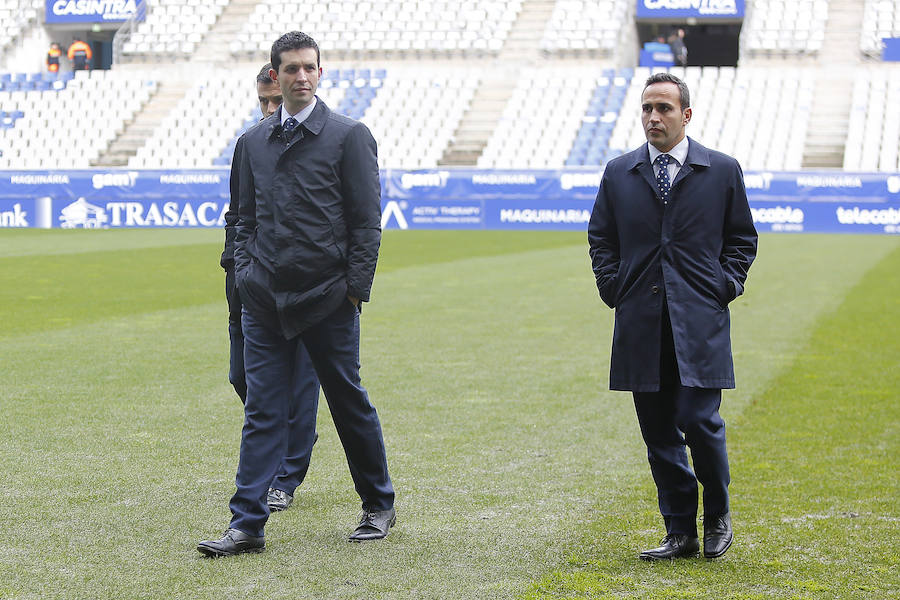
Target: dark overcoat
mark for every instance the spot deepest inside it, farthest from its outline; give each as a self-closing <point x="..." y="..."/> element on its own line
<point x="695" y="250"/>
<point x="309" y="218"/>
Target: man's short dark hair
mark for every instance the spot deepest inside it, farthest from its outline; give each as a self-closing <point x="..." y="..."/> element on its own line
<point x="683" y="93"/>
<point x="263" y="76"/>
<point x="292" y="40"/>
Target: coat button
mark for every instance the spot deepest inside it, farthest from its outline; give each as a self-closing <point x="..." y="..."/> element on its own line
<point x="655" y="289"/>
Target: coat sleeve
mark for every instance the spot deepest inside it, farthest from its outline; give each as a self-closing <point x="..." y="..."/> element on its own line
<point x="603" y="241"/>
<point x="740" y="238"/>
<point x="361" y="191"/>
<point x="246" y="221"/>
<point x="231" y="215"/>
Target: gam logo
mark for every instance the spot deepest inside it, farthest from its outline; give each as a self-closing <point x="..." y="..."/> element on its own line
<point x="125" y="179"/>
<point x="411" y="180"/>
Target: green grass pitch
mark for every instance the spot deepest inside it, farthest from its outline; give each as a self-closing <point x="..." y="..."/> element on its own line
<point x="518" y="474"/>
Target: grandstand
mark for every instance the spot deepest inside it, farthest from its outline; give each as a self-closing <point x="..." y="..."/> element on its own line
<point x="491" y="83"/>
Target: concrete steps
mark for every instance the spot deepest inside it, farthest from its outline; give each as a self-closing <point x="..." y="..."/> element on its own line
<point x="522" y="48"/>
<point x="826" y="137"/>
<point x="215" y="45"/>
<point x="141" y="128"/>
<point x="480" y="120"/>
<point x="523" y="41"/>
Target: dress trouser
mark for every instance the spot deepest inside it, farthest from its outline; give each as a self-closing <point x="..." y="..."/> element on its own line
<point x="671" y="418"/>
<point x="273" y="365"/>
<point x="299" y="447"/>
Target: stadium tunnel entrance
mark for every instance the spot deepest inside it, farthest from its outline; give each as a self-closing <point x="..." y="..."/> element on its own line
<point x="707" y="44"/>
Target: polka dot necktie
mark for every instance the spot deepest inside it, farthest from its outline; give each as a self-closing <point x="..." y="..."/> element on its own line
<point x="290" y="124"/>
<point x="662" y="177"/>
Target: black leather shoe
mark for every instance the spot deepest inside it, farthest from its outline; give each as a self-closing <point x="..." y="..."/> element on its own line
<point x="278" y="500"/>
<point x="717" y="536"/>
<point x="674" y="545"/>
<point x="232" y="542"/>
<point x="374" y="525"/>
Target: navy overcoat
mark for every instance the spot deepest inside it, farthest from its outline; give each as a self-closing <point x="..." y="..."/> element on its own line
<point x="696" y="250"/>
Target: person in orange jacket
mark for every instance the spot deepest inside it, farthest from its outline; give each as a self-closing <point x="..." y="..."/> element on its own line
<point x="53" y="55"/>
<point x="80" y="54"/>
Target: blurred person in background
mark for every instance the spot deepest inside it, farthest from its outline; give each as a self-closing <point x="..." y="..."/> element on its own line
<point x="53" y="55"/>
<point x="679" y="49"/>
<point x="80" y="54"/>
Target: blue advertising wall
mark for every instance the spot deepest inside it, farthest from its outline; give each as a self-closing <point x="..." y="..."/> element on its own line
<point x="93" y="11"/>
<point x="891" y="52"/>
<point x="682" y="9"/>
<point x="828" y="202"/>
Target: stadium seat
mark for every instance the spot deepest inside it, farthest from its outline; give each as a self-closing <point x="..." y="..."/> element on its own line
<point x="352" y="26"/>
<point x="172" y="29"/>
<point x="873" y="136"/>
<point x="771" y="27"/>
<point x="881" y="19"/>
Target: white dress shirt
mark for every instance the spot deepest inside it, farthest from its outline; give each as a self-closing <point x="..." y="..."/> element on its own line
<point x="302" y="115"/>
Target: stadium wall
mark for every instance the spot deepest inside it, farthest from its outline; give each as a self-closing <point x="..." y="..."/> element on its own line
<point x="808" y="201"/>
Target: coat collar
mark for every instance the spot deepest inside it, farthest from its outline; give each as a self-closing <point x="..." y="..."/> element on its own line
<point x="313" y="124"/>
<point x="698" y="156"/>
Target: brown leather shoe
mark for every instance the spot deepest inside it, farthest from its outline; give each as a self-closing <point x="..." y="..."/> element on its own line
<point x="674" y="545"/>
<point x="232" y="542"/>
<point x="373" y="525"/>
<point x="717" y="536"/>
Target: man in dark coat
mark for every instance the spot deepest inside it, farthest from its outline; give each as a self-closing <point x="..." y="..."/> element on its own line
<point x="306" y="245"/>
<point x="301" y="424"/>
<point x="671" y="240"/>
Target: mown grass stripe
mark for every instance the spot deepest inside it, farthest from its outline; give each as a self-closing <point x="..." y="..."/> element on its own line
<point x="486" y="355"/>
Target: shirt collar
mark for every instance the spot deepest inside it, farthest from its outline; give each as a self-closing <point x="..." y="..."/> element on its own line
<point x="300" y="116"/>
<point x="679" y="152"/>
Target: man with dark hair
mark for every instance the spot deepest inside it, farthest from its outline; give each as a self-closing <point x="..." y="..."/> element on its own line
<point x="671" y="241"/>
<point x="267" y="91"/>
<point x="301" y="425"/>
<point x="306" y="244"/>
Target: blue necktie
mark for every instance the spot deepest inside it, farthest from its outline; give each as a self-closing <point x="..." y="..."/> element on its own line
<point x="290" y="124"/>
<point x="662" y="178"/>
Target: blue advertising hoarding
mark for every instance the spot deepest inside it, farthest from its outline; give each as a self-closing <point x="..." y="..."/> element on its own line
<point x="684" y="9"/>
<point x="93" y="11"/>
<point x="118" y="198"/>
<point x="891" y="49"/>
<point x="817" y="201"/>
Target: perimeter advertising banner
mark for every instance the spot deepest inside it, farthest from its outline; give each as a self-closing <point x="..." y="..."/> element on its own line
<point x="116" y="198"/>
<point x="822" y="202"/>
<point x="94" y="11"/>
<point x="684" y="9"/>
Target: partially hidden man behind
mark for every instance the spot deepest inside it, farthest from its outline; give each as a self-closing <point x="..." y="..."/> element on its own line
<point x="301" y="424"/>
<point x="80" y="54"/>
<point x="671" y="240"/>
<point x="306" y="245"/>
